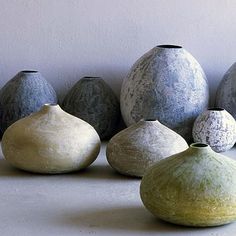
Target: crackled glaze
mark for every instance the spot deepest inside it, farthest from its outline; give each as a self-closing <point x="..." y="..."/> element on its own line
<point x="92" y="100"/>
<point x="167" y="84"/>
<point x="196" y="187"/>
<point x="50" y="141"/>
<point x="24" y="94"/>
<point x="135" y="149"/>
<point x="217" y="128"/>
<point x="226" y="92"/>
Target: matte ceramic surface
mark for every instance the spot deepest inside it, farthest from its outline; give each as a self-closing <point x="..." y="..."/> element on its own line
<point x="135" y="149"/>
<point x="92" y="100"/>
<point x="23" y="95"/>
<point x="167" y="84"/>
<point x="226" y="92"/>
<point x="50" y="141"/>
<point x="196" y="187"/>
<point x="217" y="128"/>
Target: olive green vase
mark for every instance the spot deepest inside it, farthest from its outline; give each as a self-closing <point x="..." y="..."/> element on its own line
<point x="196" y="187"/>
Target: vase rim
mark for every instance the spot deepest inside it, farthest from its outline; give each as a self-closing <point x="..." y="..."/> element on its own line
<point x="215" y="109"/>
<point x="50" y="104"/>
<point x="91" y="77"/>
<point x="169" y="46"/>
<point x="199" y="145"/>
<point x="29" y="71"/>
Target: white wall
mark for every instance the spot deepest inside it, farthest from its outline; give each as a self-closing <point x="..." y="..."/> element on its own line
<point x="68" y="39"/>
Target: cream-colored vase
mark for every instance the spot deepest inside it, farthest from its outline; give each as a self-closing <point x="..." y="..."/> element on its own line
<point x="139" y="146"/>
<point x="50" y="141"/>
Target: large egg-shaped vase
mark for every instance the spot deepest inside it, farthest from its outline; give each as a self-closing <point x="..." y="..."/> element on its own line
<point x="24" y="94"/>
<point x="50" y="141"/>
<point x="167" y="84"/>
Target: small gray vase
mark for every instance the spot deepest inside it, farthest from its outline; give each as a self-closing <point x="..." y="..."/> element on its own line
<point x="92" y="100"/>
<point x="24" y="94"/>
<point x="167" y="84"/>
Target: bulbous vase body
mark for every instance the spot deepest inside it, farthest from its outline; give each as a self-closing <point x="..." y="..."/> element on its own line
<point x="133" y="150"/>
<point x="24" y="94"/>
<point x="50" y="141"/>
<point x="217" y="128"/>
<point x="226" y="92"/>
<point x="92" y="100"/>
<point x="166" y="84"/>
<point x="196" y="187"/>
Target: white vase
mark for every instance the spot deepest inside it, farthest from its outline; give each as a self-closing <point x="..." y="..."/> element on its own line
<point x="133" y="150"/>
<point x="50" y="141"/>
<point x="217" y="128"/>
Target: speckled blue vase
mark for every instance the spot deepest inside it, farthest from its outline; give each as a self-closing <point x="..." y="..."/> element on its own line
<point x="167" y="84"/>
<point x="92" y="100"/>
<point x="23" y="95"/>
<point x="226" y="92"/>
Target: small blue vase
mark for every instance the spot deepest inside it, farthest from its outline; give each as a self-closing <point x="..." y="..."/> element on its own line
<point x="24" y="94"/>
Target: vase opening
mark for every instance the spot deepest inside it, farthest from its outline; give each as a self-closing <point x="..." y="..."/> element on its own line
<point x="29" y="71"/>
<point x="199" y="145"/>
<point x="149" y="120"/>
<point x="169" y="46"/>
<point x="91" y="77"/>
<point x="215" y="109"/>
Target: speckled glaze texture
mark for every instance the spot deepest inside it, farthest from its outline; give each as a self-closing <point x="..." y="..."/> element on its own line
<point x="50" y="141"/>
<point x="92" y="100"/>
<point x="24" y="94"/>
<point x="226" y="92"/>
<point x="217" y="128"/>
<point x="196" y="187"/>
<point x="167" y="84"/>
<point x="133" y="150"/>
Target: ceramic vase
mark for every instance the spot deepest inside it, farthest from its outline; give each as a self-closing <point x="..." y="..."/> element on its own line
<point x="196" y="187"/>
<point x="92" y="100"/>
<point x="50" y="141"/>
<point x="217" y="128"/>
<point x="226" y="92"/>
<point x="23" y="95"/>
<point x="167" y="84"/>
<point x="133" y="150"/>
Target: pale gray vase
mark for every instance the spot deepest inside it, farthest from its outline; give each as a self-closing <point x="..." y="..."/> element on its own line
<point x="226" y="92"/>
<point x="215" y="127"/>
<point x="167" y="84"/>
<point x="133" y="150"/>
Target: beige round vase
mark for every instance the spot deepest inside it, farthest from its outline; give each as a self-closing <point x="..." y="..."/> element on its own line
<point x="50" y="141"/>
<point x="133" y="150"/>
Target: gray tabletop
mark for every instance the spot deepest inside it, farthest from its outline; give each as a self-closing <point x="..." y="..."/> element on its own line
<point x="96" y="201"/>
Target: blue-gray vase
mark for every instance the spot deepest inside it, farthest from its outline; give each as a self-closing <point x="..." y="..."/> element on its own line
<point x="24" y="94"/>
<point x="92" y="100"/>
<point x="168" y="84"/>
<point x="226" y="92"/>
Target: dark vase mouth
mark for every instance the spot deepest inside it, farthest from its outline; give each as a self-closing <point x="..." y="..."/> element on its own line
<point x="199" y="145"/>
<point x="170" y="46"/>
<point x="29" y="71"/>
<point x="215" y="109"/>
<point x="91" y="77"/>
<point x="149" y="120"/>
